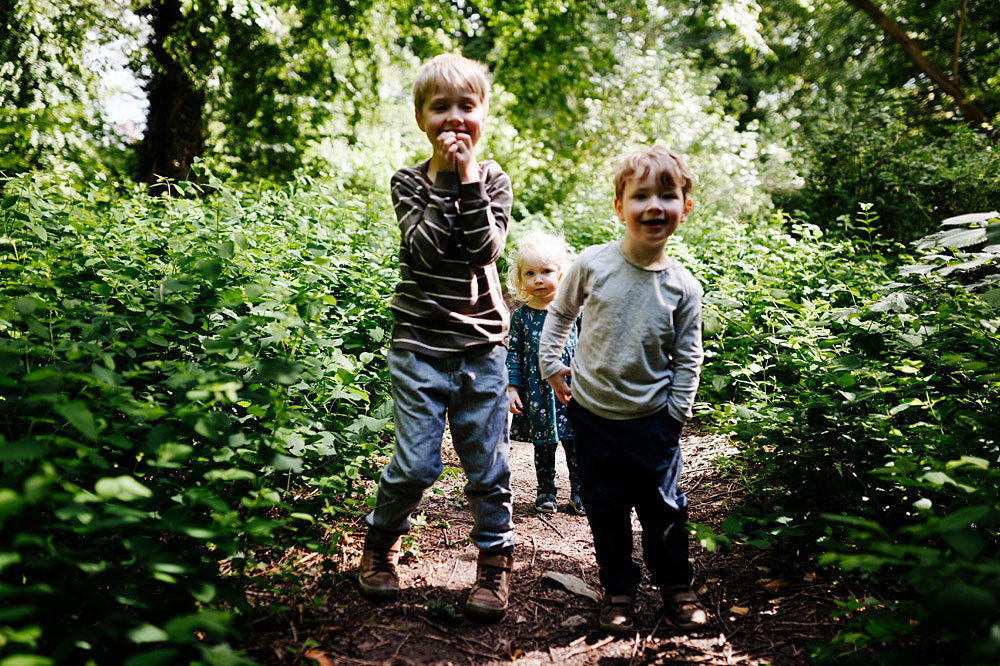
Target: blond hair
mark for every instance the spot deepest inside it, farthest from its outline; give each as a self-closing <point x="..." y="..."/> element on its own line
<point x="539" y="244"/>
<point x="668" y="166"/>
<point x="453" y="71"/>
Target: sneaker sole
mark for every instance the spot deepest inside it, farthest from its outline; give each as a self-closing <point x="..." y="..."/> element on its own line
<point x="485" y="614"/>
<point x="688" y="626"/>
<point x="616" y="628"/>
<point x="377" y="593"/>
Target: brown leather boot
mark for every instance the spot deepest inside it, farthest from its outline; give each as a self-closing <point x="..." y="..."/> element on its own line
<point x="488" y="597"/>
<point x="377" y="577"/>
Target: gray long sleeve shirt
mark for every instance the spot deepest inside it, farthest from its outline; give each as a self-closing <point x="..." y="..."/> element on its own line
<point x="640" y="343"/>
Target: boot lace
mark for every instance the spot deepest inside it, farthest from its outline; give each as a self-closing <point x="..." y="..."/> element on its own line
<point x="382" y="562"/>
<point x="490" y="577"/>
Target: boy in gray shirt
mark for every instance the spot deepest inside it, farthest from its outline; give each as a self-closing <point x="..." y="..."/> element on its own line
<point x="635" y="375"/>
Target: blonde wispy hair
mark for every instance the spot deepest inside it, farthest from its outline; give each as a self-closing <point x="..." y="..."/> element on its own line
<point x="540" y="244"/>
<point x="453" y="71"/>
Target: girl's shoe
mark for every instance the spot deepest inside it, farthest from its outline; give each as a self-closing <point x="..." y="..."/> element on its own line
<point x="546" y="503"/>
<point x="576" y="505"/>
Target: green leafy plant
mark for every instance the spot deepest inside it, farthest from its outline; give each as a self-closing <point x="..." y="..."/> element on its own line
<point x="185" y="384"/>
<point x="863" y="396"/>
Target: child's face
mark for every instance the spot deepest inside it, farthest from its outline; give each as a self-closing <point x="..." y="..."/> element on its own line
<point x="451" y="110"/>
<point x="540" y="277"/>
<point x="651" y="211"/>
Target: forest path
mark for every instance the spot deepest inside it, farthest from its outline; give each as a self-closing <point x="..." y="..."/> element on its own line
<point x="762" y="611"/>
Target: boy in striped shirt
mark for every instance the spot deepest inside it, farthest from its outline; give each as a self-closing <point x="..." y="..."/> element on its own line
<point x="447" y="357"/>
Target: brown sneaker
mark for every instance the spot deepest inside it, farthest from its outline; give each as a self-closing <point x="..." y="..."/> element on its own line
<point x="377" y="577"/>
<point x="488" y="597"/>
<point x="684" y="608"/>
<point x="617" y="613"/>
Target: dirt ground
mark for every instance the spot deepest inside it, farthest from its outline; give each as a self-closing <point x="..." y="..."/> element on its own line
<point x="763" y="611"/>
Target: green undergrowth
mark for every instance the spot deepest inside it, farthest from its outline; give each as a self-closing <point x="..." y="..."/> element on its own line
<point x="188" y="384"/>
<point x="862" y="380"/>
<point x="192" y="385"/>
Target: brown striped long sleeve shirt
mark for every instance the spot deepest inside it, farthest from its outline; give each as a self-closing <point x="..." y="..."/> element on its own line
<point x="448" y="299"/>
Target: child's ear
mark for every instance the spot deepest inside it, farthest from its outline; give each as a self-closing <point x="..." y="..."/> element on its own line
<point x="420" y="119"/>
<point x="618" y="209"/>
<point x="688" y="203"/>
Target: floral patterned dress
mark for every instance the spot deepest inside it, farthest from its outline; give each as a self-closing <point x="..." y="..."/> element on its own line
<point x="544" y="419"/>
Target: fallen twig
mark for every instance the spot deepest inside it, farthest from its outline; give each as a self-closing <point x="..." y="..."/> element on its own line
<point x="453" y="570"/>
<point x="400" y="646"/>
<point x="561" y="535"/>
<point x="464" y="639"/>
<point x="599" y="644"/>
<point x="475" y="653"/>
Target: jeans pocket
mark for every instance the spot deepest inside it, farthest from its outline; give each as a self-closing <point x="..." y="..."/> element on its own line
<point x="672" y="426"/>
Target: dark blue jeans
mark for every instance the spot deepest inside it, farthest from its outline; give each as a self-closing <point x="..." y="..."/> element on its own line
<point x="625" y="464"/>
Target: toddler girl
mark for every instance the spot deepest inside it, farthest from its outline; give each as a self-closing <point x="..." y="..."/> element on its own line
<point x="533" y="277"/>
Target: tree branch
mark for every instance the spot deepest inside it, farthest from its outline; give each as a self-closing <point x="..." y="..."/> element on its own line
<point x="958" y="40"/>
<point x="969" y="110"/>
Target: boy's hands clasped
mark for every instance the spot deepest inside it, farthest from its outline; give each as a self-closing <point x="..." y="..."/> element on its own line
<point x="456" y="148"/>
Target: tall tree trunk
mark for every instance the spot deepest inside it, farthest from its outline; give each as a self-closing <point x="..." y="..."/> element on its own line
<point x="174" y="126"/>
<point x="951" y="88"/>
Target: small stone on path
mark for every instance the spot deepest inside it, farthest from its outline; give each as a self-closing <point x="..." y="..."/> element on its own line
<point x="571" y="584"/>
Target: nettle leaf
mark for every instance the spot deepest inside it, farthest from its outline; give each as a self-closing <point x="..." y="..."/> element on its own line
<point x="962" y="518"/>
<point x="210" y="269"/>
<point x="966" y="542"/>
<point x="148" y="633"/>
<point x="942" y="479"/>
<point x="10" y="503"/>
<point x="993" y="233"/>
<point x="969" y="218"/>
<point x="280" y="371"/>
<point x="22" y="449"/>
<point x="854" y="521"/>
<point x="282" y="463"/>
<point x="80" y="417"/>
<point x="965" y="461"/>
<point x="25" y="305"/>
<point x="38" y="230"/>
<point x="124" y="488"/>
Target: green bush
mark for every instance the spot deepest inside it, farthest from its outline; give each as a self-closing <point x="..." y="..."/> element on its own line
<point x="912" y="175"/>
<point x="185" y="383"/>
<point x="865" y="397"/>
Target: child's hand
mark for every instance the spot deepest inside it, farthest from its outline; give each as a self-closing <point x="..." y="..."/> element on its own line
<point x="561" y="387"/>
<point x="456" y="148"/>
<point x="515" y="400"/>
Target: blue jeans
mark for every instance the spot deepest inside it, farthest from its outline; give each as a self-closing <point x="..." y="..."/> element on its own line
<point x="633" y="463"/>
<point x="471" y="390"/>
